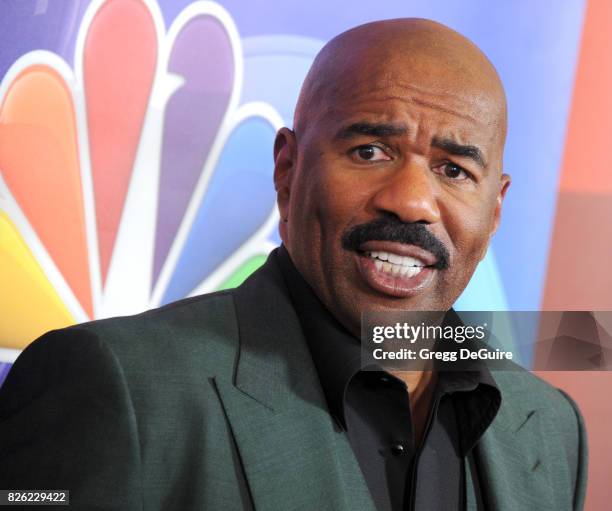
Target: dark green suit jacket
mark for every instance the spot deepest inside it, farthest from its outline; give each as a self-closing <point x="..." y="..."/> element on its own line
<point x="213" y="403"/>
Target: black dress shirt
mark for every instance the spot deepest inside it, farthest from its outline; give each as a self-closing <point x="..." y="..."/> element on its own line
<point x="373" y="407"/>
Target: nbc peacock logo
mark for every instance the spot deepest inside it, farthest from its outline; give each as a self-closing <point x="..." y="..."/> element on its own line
<point x="135" y="175"/>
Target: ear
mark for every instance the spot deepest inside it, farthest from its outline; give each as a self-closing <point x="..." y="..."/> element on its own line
<point x="504" y="184"/>
<point x="285" y="158"/>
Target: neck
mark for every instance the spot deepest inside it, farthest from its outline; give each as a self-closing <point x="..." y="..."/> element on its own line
<point x="416" y="381"/>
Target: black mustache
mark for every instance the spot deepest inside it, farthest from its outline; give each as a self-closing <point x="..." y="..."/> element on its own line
<point x="391" y="228"/>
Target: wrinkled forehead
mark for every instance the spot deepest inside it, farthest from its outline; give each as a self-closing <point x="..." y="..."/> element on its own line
<point x="462" y="83"/>
<point x="455" y="85"/>
<point x="388" y="91"/>
<point x="434" y="101"/>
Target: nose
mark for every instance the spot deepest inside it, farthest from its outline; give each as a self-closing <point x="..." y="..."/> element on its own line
<point x="410" y="193"/>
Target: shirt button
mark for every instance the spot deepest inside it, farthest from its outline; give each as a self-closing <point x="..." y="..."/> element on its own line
<point x="384" y="379"/>
<point x="397" y="449"/>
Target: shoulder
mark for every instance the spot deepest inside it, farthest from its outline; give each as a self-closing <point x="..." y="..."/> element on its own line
<point x="195" y="325"/>
<point x="209" y="314"/>
<point x="530" y="391"/>
<point x="197" y="335"/>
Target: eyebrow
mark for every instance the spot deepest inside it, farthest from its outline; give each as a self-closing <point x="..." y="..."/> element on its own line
<point x="371" y="129"/>
<point x="467" y="151"/>
<point x="394" y="130"/>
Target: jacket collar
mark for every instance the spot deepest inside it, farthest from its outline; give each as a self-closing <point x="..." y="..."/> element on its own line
<point x="273" y="354"/>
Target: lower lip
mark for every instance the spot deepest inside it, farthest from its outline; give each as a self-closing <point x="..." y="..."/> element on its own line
<point x="398" y="286"/>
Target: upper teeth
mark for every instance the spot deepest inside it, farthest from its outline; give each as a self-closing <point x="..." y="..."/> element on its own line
<point x="396" y="259"/>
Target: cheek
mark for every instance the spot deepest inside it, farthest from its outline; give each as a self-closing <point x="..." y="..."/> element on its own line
<point x="330" y="197"/>
<point x="339" y="201"/>
<point x="315" y="215"/>
<point x="469" y="226"/>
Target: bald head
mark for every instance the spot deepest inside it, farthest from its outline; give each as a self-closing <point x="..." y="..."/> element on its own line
<point x="409" y="57"/>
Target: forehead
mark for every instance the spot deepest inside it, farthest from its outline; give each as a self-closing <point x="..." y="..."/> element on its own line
<point x="433" y="94"/>
<point x="393" y="89"/>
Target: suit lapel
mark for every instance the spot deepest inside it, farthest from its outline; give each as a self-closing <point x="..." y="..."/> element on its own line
<point x="291" y="451"/>
<point x="511" y="457"/>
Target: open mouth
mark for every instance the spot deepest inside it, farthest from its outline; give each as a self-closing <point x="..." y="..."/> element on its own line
<point x="394" y="269"/>
<point x="395" y="264"/>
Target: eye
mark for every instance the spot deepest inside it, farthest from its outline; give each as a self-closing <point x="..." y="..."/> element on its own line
<point x="370" y="152"/>
<point x="453" y="171"/>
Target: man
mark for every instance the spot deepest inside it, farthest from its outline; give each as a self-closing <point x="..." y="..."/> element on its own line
<point x="389" y="188"/>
